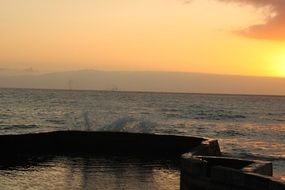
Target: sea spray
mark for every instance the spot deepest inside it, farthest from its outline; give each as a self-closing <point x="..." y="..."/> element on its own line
<point x="87" y="122"/>
<point x="82" y="123"/>
<point x="123" y="123"/>
<point x="129" y="124"/>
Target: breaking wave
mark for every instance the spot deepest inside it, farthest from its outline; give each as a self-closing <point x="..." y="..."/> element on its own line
<point x="119" y="124"/>
<point x="128" y="124"/>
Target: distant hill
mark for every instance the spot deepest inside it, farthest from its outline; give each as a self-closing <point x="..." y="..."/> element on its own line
<point x="16" y="72"/>
<point x="148" y="81"/>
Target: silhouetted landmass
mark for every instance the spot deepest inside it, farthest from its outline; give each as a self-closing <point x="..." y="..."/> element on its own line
<point x="148" y="81"/>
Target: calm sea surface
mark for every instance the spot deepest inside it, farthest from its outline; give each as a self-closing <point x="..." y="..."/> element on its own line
<point x="246" y="126"/>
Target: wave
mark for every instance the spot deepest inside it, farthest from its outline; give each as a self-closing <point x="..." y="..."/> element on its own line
<point x="255" y="156"/>
<point x="218" y="117"/>
<point x="230" y="133"/>
<point x="4" y="116"/>
<point x="55" y="121"/>
<point x="15" y="127"/>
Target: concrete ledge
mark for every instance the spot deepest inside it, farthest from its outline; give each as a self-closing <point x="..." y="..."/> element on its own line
<point x="276" y="184"/>
<point x="86" y="142"/>
<point x="208" y="147"/>
<point x="194" y="167"/>
<point x="259" y="167"/>
<point x="210" y="173"/>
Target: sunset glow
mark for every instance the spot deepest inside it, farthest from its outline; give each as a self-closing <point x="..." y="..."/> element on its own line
<point x="280" y="67"/>
<point x="196" y="36"/>
<point x="129" y="94"/>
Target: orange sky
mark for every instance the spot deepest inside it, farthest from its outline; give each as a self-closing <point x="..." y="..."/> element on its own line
<point x="244" y="37"/>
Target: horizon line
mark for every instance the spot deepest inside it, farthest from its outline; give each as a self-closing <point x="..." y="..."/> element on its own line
<point x="38" y="73"/>
<point x="142" y="91"/>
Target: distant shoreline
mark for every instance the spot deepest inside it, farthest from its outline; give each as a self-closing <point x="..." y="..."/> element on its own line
<point x="150" y="82"/>
<point x="143" y="92"/>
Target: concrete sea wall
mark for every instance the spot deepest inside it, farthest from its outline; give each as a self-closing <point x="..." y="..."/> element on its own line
<point x="203" y="166"/>
<point x="202" y="172"/>
<point x="81" y="142"/>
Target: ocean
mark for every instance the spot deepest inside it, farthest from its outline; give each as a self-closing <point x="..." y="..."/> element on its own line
<point x="246" y="126"/>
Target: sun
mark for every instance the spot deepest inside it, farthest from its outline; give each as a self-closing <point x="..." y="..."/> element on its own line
<point x="277" y="66"/>
<point x="280" y="67"/>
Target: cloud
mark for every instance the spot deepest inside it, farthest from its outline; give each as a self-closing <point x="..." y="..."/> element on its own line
<point x="273" y="28"/>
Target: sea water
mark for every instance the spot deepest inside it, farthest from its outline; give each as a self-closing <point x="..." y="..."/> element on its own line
<point x="251" y="127"/>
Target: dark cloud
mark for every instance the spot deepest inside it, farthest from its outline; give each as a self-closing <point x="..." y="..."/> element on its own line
<point x="273" y="28"/>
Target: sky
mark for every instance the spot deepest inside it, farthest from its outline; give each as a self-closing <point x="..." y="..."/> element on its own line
<point x="231" y="37"/>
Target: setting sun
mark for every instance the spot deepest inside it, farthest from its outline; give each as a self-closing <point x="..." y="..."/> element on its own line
<point x="278" y="66"/>
<point x="282" y="68"/>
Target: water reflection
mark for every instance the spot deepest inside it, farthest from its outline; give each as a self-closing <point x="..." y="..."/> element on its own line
<point x="90" y="172"/>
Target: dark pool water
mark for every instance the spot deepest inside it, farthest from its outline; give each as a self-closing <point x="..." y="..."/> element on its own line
<point x="88" y="172"/>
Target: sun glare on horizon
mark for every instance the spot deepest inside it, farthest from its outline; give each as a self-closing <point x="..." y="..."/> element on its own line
<point x="278" y="66"/>
<point x="281" y="69"/>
